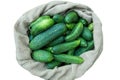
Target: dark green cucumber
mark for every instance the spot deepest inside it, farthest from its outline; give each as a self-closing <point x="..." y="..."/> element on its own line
<point x="53" y="64"/>
<point x="42" y="24"/>
<point x="71" y="52"/>
<point x="87" y="34"/>
<point x="81" y="50"/>
<point x="65" y="46"/>
<point x="68" y="58"/>
<point x="47" y="36"/>
<point x="83" y="42"/>
<point x="58" y="18"/>
<point x="90" y="26"/>
<point x="30" y="37"/>
<point x="42" y="56"/>
<point x="71" y="17"/>
<point x="77" y="30"/>
<point x="70" y="26"/>
<point x="57" y="41"/>
<point x="84" y="22"/>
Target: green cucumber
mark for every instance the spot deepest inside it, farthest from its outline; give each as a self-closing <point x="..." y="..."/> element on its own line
<point x="42" y="24"/>
<point x="71" y="52"/>
<point x="42" y="56"/>
<point x="65" y="46"/>
<point x="84" y="21"/>
<point x="47" y="36"/>
<point x="81" y="50"/>
<point x="30" y="37"/>
<point x="77" y="30"/>
<point x="53" y="64"/>
<point x="87" y="34"/>
<point x="68" y="58"/>
<point x="70" y="26"/>
<point x="83" y="42"/>
<point x="71" y="17"/>
<point x="58" y="18"/>
<point x="38" y="20"/>
<point x="56" y="41"/>
<point x="90" y="26"/>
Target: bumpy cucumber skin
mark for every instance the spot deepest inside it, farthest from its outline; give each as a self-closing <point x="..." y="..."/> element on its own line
<point x="42" y="56"/>
<point x="71" y="52"/>
<point x="45" y="37"/>
<point x="87" y="34"/>
<point x="90" y="26"/>
<point x="53" y="64"/>
<point x="83" y="42"/>
<point x="57" y="41"/>
<point x="81" y="50"/>
<point x="41" y="25"/>
<point x="71" y="17"/>
<point x="58" y="18"/>
<point x="77" y="30"/>
<point x="70" y="26"/>
<point x="68" y="58"/>
<point x="84" y="22"/>
<point x="65" y="46"/>
<point x="38" y="20"/>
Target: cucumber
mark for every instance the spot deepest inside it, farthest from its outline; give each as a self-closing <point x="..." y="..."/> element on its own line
<point x="71" y="17"/>
<point x="45" y="37"/>
<point x="58" y="18"/>
<point x="42" y="56"/>
<point x="41" y="25"/>
<point x="87" y="34"/>
<point x="83" y="42"/>
<point x="56" y="41"/>
<point x="30" y="37"/>
<point x="38" y="20"/>
<point x="70" y="26"/>
<point x="90" y="26"/>
<point x="68" y="58"/>
<point x="84" y="22"/>
<point x="71" y="52"/>
<point x="81" y="50"/>
<point x="77" y="30"/>
<point x="65" y="46"/>
<point x="53" y="64"/>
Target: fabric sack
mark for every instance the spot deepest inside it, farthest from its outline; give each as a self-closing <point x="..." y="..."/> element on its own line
<point x="68" y="72"/>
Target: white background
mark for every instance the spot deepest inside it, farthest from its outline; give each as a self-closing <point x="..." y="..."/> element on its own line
<point x="107" y="67"/>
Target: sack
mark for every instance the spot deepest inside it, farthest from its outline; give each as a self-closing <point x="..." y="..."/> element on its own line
<point x="68" y="72"/>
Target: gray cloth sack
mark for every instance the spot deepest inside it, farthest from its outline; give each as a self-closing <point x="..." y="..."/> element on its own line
<point x="68" y="72"/>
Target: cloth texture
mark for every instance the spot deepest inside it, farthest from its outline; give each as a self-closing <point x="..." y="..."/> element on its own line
<point x="68" y="72"/>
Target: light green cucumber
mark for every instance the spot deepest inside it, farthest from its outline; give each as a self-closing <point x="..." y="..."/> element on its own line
<point x="42" y="56"/>
<point x="70" y="26"/>
<point x="90" y="26"/>
<point x="77" y="30"/>
<point x="41" y="25"/>
<point x="68" y="58"/>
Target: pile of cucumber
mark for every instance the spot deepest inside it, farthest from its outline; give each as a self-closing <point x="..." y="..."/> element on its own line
<point x="60" y="39"/>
